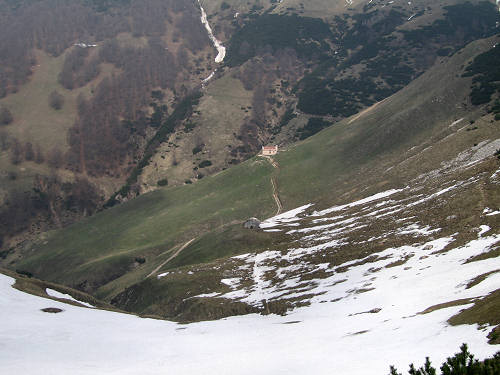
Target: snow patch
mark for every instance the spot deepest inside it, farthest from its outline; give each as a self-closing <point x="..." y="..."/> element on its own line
<point x="285" y="217"/>
<point x="221" y="50"/>
<point x="483" y="229"/>
<point x="56" y="294"/>
<point x="357" y="203"/>
<point x="490" y="212"/>
<point x="456" y="122"/>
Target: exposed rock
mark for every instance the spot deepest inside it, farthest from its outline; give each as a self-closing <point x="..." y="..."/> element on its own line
<point x="252" y="223"/>
<point x="53" y="310"/>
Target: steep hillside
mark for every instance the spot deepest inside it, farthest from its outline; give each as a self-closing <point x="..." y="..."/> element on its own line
<point x="118" y="98"/>
<point x="376" y="226"/>
<point x="84" y="85"/>
<point x="324" y="69"/>
<point x="419" y="140"/>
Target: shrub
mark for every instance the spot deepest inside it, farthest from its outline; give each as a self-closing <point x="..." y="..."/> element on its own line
<point x="197" y="149"/>
<point x="460" y="364"/>
<point x="24" y="273"/>
<point x="313" y="126"/>
<point x="157" y="94"/>
<point x="56" y="100"/>
<point x="205" y="163"/>
<point x="485" y="70"/>
<point x="189" y="126"/>
<point x="162" y="182"/>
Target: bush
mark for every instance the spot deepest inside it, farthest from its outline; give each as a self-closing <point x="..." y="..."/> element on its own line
<point x="313" y="126"/>
<point x="56" y="100"/>
<point x="485" y="70"/>
<point x="24" y="273"/>
<point x="5" y="116"/>
<point x="162" y="182"/>
<point x="205" y="163"/>
<point x="197" y="149"/>
<point x="189" y="126"/>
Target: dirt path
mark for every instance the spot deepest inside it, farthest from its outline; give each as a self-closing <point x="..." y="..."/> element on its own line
<point x="171" y="257"/>
<point x="274" y="184"/>
<point x="276" y="196"/>
<point x="366" y="111"/>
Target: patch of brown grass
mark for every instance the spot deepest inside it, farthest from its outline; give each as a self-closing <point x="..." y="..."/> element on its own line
<point x="458" y="302"/>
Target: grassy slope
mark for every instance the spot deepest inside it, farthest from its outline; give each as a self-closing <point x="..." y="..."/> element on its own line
<point x="107" y="244"/>
<point x="34" y="119"/>
<point x="364" y="148"/>
<point x="348" y="160"/>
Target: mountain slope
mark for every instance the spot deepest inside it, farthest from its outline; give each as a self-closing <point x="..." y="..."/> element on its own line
<point x="412" y="133"/>
<point x="388" y="305"/>
<point x="118" y="98"/>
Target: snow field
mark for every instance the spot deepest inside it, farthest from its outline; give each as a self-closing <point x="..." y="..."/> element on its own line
<point x="56" y="294"/>
<point x="363" y="314"/>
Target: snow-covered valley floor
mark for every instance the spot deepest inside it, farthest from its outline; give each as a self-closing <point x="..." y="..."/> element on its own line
<point x="320" y="339"/>
<point x="353" y="316"/>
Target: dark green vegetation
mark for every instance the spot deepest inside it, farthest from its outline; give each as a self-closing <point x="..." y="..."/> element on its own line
<point x="104" y="5"/>
<point x="288" y="116"/>
<point x="314" y="125"/>
<point x="205" y="163"/>
<point x="460" y="364"/>
<point x="270" y="32"/>
<point x="485" y="70"/>
<point x="462" y="23"/>
<point x="388" y="58"/>
<point x="162" y="182"/>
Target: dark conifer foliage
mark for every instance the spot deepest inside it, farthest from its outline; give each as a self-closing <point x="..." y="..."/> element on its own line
<point x="462" y="363"/>
<point x="56" y="100"/>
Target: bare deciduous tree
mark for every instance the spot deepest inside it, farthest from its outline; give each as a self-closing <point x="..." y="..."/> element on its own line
<point x="16" y="152"/>
<point x="29" y="153"/>
<point x="5" y="116"/>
